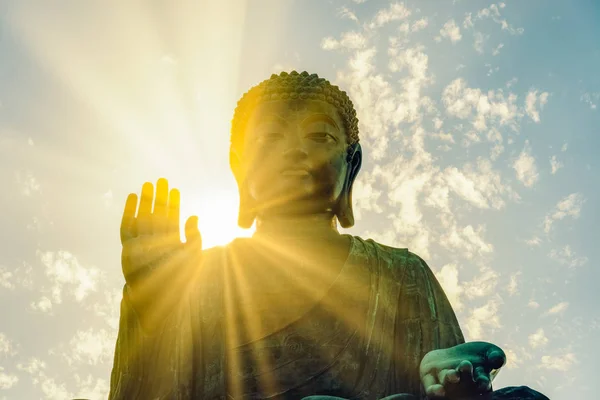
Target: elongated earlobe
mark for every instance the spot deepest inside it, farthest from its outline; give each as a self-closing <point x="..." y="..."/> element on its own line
<point x="344" y="211"/>
<point x="246" y="212"/>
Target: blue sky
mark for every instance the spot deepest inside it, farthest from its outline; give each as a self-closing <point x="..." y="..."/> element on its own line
<point x="480" y="128"/>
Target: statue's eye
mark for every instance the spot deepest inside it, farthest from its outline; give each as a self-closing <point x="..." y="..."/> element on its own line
<point x="270" y="136"/>
<point x="321" y="137"/>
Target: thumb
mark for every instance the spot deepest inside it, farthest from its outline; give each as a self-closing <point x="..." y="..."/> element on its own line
<point x="192" y="233"/>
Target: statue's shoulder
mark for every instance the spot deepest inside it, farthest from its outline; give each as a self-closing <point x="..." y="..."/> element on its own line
<point x="398" y="259"/>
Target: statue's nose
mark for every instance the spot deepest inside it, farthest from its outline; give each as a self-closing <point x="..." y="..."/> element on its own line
<point x="295" y="150"/>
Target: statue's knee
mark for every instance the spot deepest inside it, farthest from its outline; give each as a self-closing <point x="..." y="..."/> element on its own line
<point x="518" y="392"/>
<point x="319" y="397"/>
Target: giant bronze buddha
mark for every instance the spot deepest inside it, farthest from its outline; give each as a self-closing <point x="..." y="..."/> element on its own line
<point x="298" y="310"/>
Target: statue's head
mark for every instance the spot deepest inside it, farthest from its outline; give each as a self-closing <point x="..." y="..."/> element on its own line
<point x="302" y="122"/>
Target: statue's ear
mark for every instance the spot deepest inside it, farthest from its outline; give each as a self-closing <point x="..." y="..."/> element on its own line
<point x="344" y="211"/>
<point x="355" y="161"/>
<point x="235" y="163"/>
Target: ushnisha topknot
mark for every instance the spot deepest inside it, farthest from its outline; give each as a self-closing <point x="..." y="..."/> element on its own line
<point x="293" y="85"/>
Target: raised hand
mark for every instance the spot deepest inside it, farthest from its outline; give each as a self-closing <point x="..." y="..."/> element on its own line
<point x="461" y="372"/>
<point x="156" y="264"/>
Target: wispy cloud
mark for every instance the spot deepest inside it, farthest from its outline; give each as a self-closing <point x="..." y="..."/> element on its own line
<point x="482" y="318"/>
<point x="451" y="31"/>
<point x="525" y="167"/>
<point x="562" y="362"/>
<point x="557" y="309"/>
<point x="538" y="339"/>
<point x="532" y="101"/>
<point x="569" y="206"/>
<point x="555" y="165"/>
<point x="395" y="12"/>
<point x="567" y="256"/>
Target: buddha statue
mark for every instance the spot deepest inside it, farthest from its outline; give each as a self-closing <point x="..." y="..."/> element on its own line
<point x="298" y="310"/>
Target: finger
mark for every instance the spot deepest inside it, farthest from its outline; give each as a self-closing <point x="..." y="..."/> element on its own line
<point x="435" y="391"/>
<point x="173" y="213"/>
<point x="496" y="359"/>
<point x="482" y="381"/>
<point x="144" y="223"/>
<point x="159" y="215"/>
<point x="128" y="220"/>
<point x="429" y="380"/>
<point x="448" y="376"/>
<point x="192" y="233"/>
<point x="465" y="371"/>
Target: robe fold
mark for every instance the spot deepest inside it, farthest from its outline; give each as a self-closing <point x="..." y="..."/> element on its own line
<point x="363" y="340"/>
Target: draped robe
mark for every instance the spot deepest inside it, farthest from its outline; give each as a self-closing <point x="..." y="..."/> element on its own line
<point x="364" y="338"/>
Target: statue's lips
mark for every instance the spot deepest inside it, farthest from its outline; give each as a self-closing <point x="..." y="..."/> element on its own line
<point x="295" y="172"/>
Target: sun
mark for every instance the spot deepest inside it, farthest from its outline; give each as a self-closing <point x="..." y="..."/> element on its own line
<point x="216" y="209"/>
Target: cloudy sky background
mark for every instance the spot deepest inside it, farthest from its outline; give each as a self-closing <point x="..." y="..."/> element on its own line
<point x="480" y="128"/>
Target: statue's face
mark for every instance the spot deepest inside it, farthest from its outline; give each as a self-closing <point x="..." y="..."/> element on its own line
<point x="295" y="156"/>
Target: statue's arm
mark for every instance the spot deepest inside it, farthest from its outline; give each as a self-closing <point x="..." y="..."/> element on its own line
<point x="425" y="321"/>
<point x="141" y="358"/>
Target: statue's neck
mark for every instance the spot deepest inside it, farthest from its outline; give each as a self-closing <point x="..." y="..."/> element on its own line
<point x="311" y="228"/>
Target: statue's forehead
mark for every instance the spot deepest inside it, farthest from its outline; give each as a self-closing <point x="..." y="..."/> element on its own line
<point x="300" y="108"/>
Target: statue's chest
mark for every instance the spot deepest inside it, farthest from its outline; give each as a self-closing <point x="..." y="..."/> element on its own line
<point x="271" y="298"/>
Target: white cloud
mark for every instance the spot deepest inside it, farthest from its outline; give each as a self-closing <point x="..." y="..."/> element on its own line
<point x="52" y="389"/>
<point x="448" y="278"/>
<point x="557" y="309"/>
<point x="34" y="366"/>
<point x="91" y="388"/>
<point x="64" y="270"/>
<point x="538" y="339"/>
<point x="6" y="346"/>
<point x="513" y="284"/>
<point x="468" y="21"/>
<point x="555" y="165"/>
<point x="451" y="31"/>
<point x="534" y="241"/>
<point x="419" y="25"/>
<point x="350" y="40"/>
<point x="533" y="304"/>
<point x="345" y="12"/>
<point x="478" y="43"/>
<point x="7" y="381"/>
<point x="591" y="99"/>
<point x="27" y="183"/>
<point x="109" y="308"/>
<point x="569" y="206"/>
<point x="466" y="241"/>
<point x="6" y="278"/>
<point x="532" y="100"/>
<point x="483" y="284"/>
<point x="481" y="318"/>
<point x="566" y="256"/>
<point x="496" y="51"/>
<point x="44" y="304"/>
<point x="560" y="363"/>
<point x="525" y="167"/>
<point x="481" y="108"/>
<point x="90" y="347"/>
<point x="493" y="12"/>
<point x="365" y="196"/>
<point x="395" y="12"/>
<point x="479" y="184"/>
<point x="513" y="359"/>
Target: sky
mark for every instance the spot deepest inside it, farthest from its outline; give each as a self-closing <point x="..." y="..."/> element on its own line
<point x="479" y="123"/>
